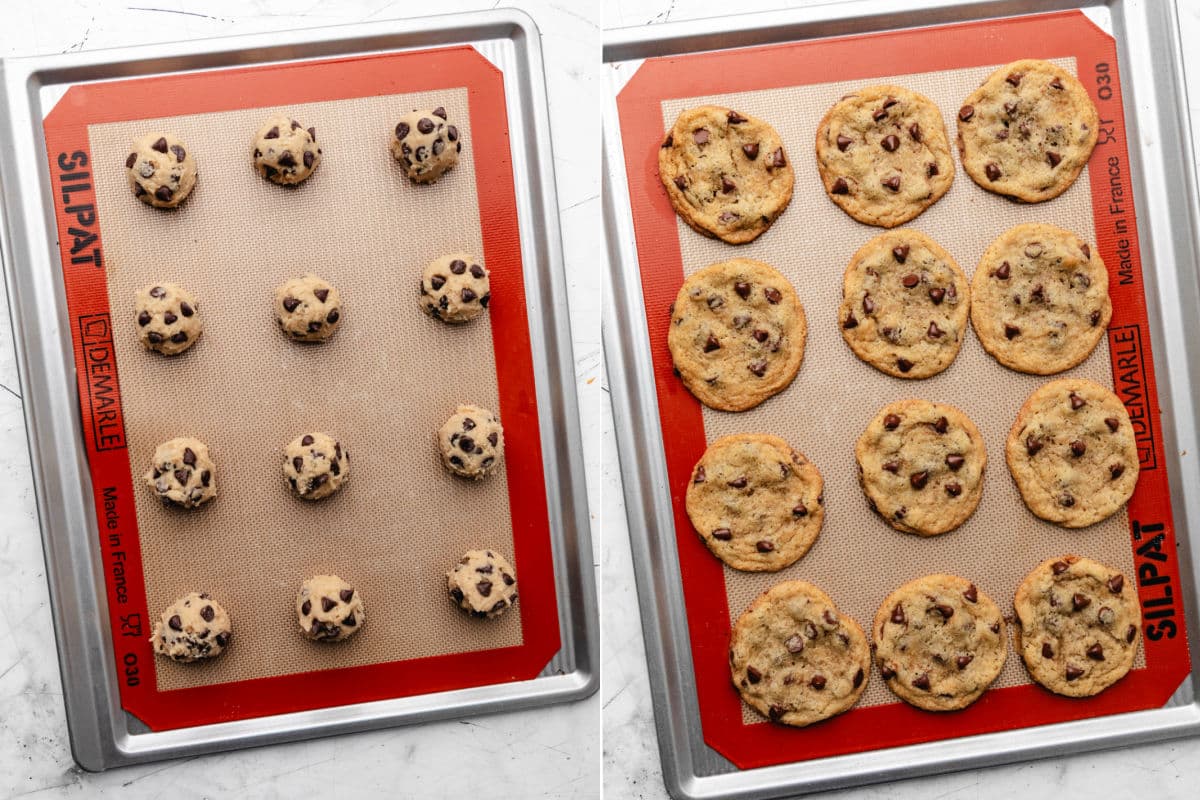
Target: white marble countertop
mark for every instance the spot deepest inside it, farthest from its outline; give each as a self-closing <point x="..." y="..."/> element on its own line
<point x="631" y="763"/>
<point x="552" y="752"/>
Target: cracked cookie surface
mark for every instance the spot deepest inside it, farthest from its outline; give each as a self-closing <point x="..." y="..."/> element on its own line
<point x="737" y="334"/>
<point x="1028" y="131"/>
<point x="755" y="502"/>
<point x="1078" y="625"/>
<point x="883" y="155"/>
<point x="940" y="642"/>
<point x="905" y="303"/>
<point x="1039" y="299"/>
<point x="796" y="659"/>
<point x="726" y="173"/>
<point x="1072" y="453"/>
<point x="921" y="466"/>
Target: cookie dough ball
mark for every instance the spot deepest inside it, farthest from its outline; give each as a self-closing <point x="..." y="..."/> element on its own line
<point x="308" y="308"/>
<point x="285" y="152"/>
<point x="472" y="442"/>
<point x="426" y="144"/>
<point x="455" y="288"/>
<point x="483" y="583"/>
<point x="161" y="171"/>
<point x="183" y="474"/>
<point x="167" y="318"/>
<point x="193" y="627"/>
<point x="316" y="465"/>
<point x="329" y="609"/>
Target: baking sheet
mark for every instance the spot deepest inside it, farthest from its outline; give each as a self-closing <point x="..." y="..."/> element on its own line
<point x="670" y="607"/>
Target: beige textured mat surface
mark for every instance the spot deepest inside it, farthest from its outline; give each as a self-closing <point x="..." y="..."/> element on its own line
<point x="858" y="558"/>
<point x="383" y="385"/>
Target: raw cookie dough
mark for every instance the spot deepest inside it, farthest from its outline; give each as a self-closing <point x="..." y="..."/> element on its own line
<point x="883" y="155"/>
<point x="308" y="308"/>
<point x="168" y="318"/>
<point x="796" y="659"/>
<point x="455" y="288"/>
<point x="1028" y="131"/>
<point x="193" y="627"/>
<point x="940" y="642"/>
<point x="725" y="172"/>
<point x="316" y="465"/>
<point x="755" y="502"/>
<point x="426" y="144"/>
<point x="161" y="170"/>
<point x="737" y="334"/>
<point x="1039" y="299"/>
<point x="1078" y="625"/>
<point x="183" y="474"/>
<point x="921" y="465"/>
<point x="284" y="151"/>
<point x="471" y="442"/>
<point x="1072" y="453"/>
<point x="905" y="303"/>
<point x="329" y="609"/>
<point x="483" y="583"/>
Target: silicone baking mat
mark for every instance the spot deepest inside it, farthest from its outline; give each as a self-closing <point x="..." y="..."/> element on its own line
<point x="858" y="558"/>
<point x="383" y="384"/>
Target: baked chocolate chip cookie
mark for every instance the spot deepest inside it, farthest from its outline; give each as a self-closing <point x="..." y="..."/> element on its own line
<point x="1039" y="299"/>
<point x="1072" y="453"/>
<point x="737" y="334"/>
<point x="1078" y="625"/>
<point x="1027" y="131"/>
<point x="905" y="303"/>
<point x="795" y="658"/>
<point x="939" y="642"/>
<point x="883" y="155"/>
<point x="726" y="173"/>
<point x="755" y="502"/>
<point x="921" y="465"/>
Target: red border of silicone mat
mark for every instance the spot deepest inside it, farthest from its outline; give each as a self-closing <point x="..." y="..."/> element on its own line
<point x="1152" y="532"/>
<point x="108" y="460"/>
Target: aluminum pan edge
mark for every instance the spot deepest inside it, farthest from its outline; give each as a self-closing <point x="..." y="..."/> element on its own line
<point x="1170" y="225"/>
<point x="101" y="734"/>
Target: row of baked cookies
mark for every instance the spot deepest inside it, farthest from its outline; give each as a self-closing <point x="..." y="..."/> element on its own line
<point x="939" y="642"/>
<point x="883" y="153"/>
<point x="1038" y="302"/>
<point x="759" y="505"/>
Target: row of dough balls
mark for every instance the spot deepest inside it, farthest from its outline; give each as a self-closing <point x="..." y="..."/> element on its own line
<point x="328" y="609"/>
<point x="315" y="465"/>
<point x="162" y="169"/>
<point x="454" y="289"/>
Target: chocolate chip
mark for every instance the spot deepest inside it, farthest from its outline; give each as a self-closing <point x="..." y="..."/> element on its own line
<point x="1038" y="295"/>
<point x="154" y="338"/>
<point x="138" y="190"/>
<point x="205" y="477"/>
<point x="919" y="479"/>
<point x="931" y="169"/>
<point x="800" y="511"/>
<point x="180" y="153"/>
<point x="1116" y="583"/>
<point x="1129" y="634"/>
<point x="966" y="112"/>
<point x="727" y="185"/>
<point x="751" y="150"/>
<point x="892" y="466"/>
<point x="466" y="444"/>
<point x="334" y="316"/>
<point x="1059" y="567"/>
<point x="738" y="483"/>
<point x="1078" y="447"/>
<point x="935" y="332"/>
<point x="937" y="295"/>
<point x="207" y="613"/>
<point x="346" y="594"/>
<point x="879" y="115"/>
<point x="1077" y="402"/>
<point x="777" y="158"/>
<point x="890" y="143"/>
<point x="850" y="322"/>
<point x="477" y="271"/>
<point x="773" y="295"/>
<point x="272" y="134"/>
<point x="753" y="675"/>
<point x="892" y="183"/>
<point x="1032" y="445"/>
<point x="160" y="145"/>
<point x="129" y="162"/>
<point x="680" y="183"/>
<point x="922" y="681"/>
<point x="1011" y="331"/>
<point x="843" y="142"/>
<point x="891" y="422"/>
<point x="818" y="682"/>
<point x="887" y="671"/>
<point x="700" y="136"/>
<point x="946" y="611"/>
<point x="904" y="364"/>
<point x="942" y="425"/>
<point x="1056" y="84"/>
<point x="993" y="171"/>
<point x="1014" y="78"/>
<point x="452" y="135"/>
<point x="509" y="580"/>
<point x="1066" y="500"/>
<point x="1113" y="423"/>
<point x="402" y="130"/>
<point x="493" y="438"/>
<point x="1080" y="602"/>
<point x="1096" y="652"/>
<point x="955" y="461"/>
<point x="425" y="125"/>
<point x="314" y="326"/>
<point x="144" y="318"/>
<point x="776" y="713"/>
<point x="1053" y="157"/>
<point x="306" y="441"/>
<point x="963" y="661"/>
<point x="182" y="475"/>
<point x="794" y="644"/>
<point x="735" y="118"/>
<point x="334" y="468"/>
<point x="1116" y="471"/>
<point x="840" y="187"/>
<point x="163" y="193"/>
<point x="1002" y="272"/>
<point x="914" y="131"/>
<point x="484" y="588"/>
<point x="468" y="295"/>
<point x="722" y="534"/>
<point x="954" y="489"/>
<point x="898" y="615"/>
<point x="309" y="158"/>
<point x="179" y="338"/>
<point x="858" y="678"/>
<point x="764" y="546"/>
<point x="287" y="159"/>
<point x="290" y="304"/>
<point x="868" y="304"/>
<point x="298" y="463"/>
<point x="306" y="608"/>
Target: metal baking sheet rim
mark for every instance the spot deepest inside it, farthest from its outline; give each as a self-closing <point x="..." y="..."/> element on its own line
<point x="102" y="735"/>
<point x="1159" y="137"/>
